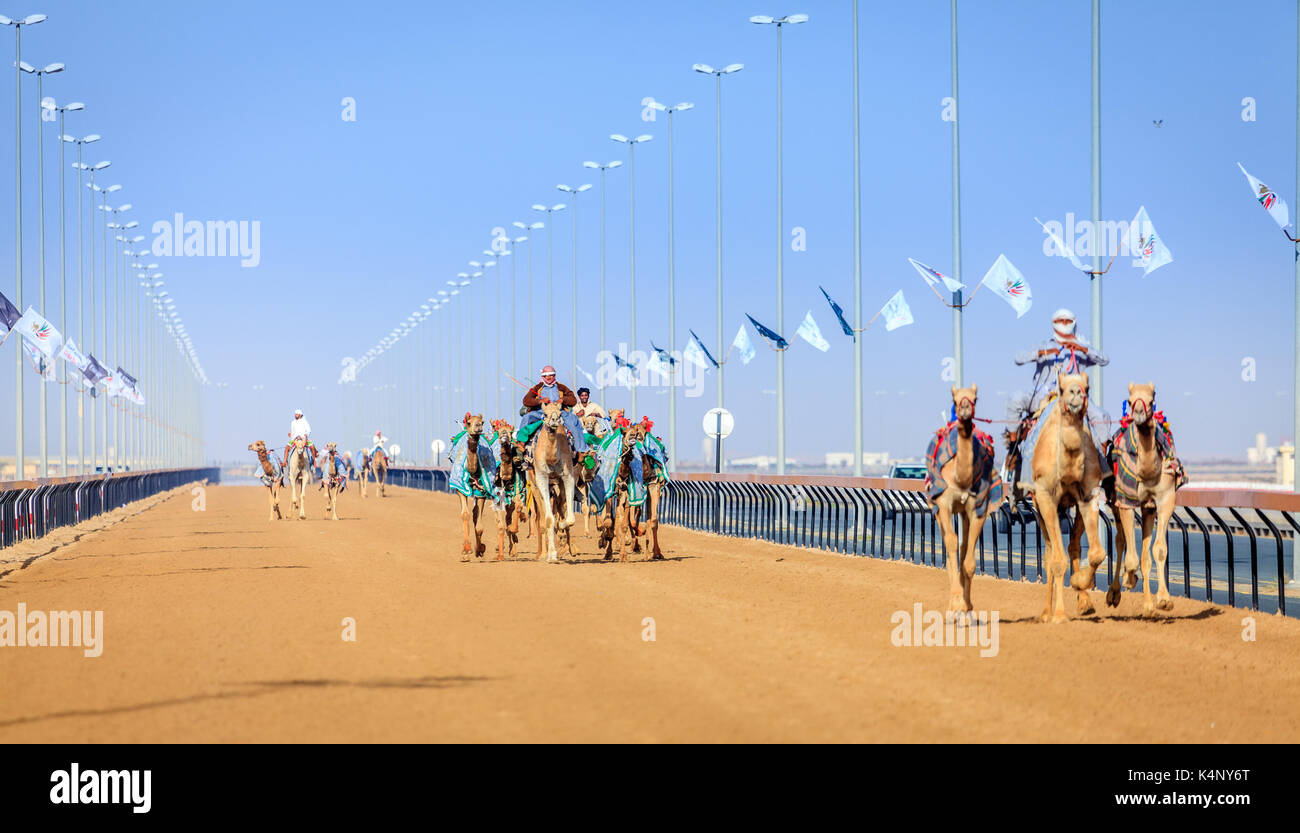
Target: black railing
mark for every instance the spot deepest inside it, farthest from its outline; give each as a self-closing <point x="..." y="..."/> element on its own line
<point x="432" y="480"/>
<point x="31" y="508"/>
<point x="1231" y="547"/>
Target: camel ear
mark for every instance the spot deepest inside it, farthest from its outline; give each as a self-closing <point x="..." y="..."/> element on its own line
<point x="954" y="391"/>
<point x="1131" y="385"/>
<point x="975" y="389"/>
<point x="1152" y="385"/>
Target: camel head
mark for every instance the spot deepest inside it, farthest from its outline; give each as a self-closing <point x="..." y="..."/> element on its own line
<point x="1141" y="402"/>
<point x="331" y="448"/>
<point x="473" y="424"/>
<point x="259" y="447"/>
<point x="551" y="415"/>
<point x="634" y="433"/>
<point x="588" y="424"/>
<point x="964" y="400"/>
<point x="1073" y="388"/>
<point x="505" y="429"/>
<point x="614" y="414"/>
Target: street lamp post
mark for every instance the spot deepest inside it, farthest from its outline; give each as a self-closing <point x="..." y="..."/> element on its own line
<point x="718" y="74"/>
<point x="631" y="201"/>
<point x="94" y="169"/>
<point x="780" y="23"/>
<point x="82" y="407"/>
<point x="528" y="313"/>
<point x="575" y="192"/>
<point x="63" y="277"/>
<point x="602" y="168"/>
<point x="550" y="276"/>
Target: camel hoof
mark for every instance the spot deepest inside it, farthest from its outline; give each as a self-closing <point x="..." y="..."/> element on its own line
<point x="1112" y="597"/>
<point x="657" y="557"/>
<point x="1060" y="618"/>
<point x="1165" y="604"/>
<point x="552" y="559"/>
<point x="1130" y="579"/>
<point x="1149" y="612"/>
<point x="464" y="558"/>
<point x="1086" y="607"/>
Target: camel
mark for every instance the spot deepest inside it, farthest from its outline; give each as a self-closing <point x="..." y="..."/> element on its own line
<point x="961" y="482"/>
<point x="553" y="459"/>
<point x="1148" y="476"/>
<point x="334" y="481"/>
<point x="1067" y="471"/>
<point x="619" y="518"/>
<point x="585" y="476"/>
<point x="653" y="475"/>
<point x="271" y="476"/>
<point x="510" y="484"/>
<point x="299" y="475"/>
<point x="379" y="465"/>
<point x="472" y="505"/>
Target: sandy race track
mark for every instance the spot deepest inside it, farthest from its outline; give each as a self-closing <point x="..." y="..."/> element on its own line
<point x="222" y="626"/>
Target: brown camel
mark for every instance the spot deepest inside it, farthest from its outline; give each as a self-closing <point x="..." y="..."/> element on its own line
<point x="654" y="477"/>
<point x="364" y="471"/>
<point x="270" y="476"/>
<point x="379" y="463"/>
<point x="472" y="506"/>
<point x="585" y="476"/>
<point x="334" y="481"/>
<point x="1148" y="476"/>
<point x="962" y="482"/>
<point x="510" y="485"/>
<point x="1067" y="471"/>
<point x="553" y="460"/>
<point x="619" y="518"/>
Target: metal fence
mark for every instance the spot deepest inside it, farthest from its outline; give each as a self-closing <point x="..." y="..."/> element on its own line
<point x="429" y="479"/>
<point x="31" y="508"/>
<point x="1235" y="547"/>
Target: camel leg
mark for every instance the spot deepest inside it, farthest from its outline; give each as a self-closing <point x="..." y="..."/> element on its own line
<point x="972" y="526"/>
<point x="652" y="504"/>
<point x="1126" y="540"/>
<point x="1049" y="520"/>
<point x="464" y="523"/>
<point x="1160" y="549"/>
<point x="480" y="506"/>
<point x="952" y="553"/>
<point x="1148" y="523"/>
<point x="546" y="518"/>
<point x="1083" y="576"/>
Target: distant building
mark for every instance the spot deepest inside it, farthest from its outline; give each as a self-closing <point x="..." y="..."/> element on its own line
<point x="761" y="461"/>
<point x="839" y="459"/>
<point x="1262" y="453"/>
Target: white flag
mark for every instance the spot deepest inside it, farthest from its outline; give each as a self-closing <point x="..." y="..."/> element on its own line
<point x="1006" y="281"/>
<point x="810" y="333"/>
<point x="744" y="345"/>
<point x="930" y="274"/>
<point x="695" y="355"/>
<point x="1060" y="246"/>
<point x="897" y="313"/>
<point x="1148" y="248"/>
<point x="39" y="333"/>
<point x="1273" y="204"/>
<point x="70" y="354"/>
<point x="39" y="363"/>
<point x="656" y="364"/>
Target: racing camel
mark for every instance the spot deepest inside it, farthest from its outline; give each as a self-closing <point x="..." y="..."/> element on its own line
<point x="476" y="496"/>
<point x="335" y="479"/>
<point x="299" y="475"/>
<point x="1067" y="472"/>
<point x="1147" y="478"/>
<point x="271" y="477"/>
<point x="553" y="460"/>
<point x="364" y="470"/>
<point x="961" y="482"/>
<point x="379" y="465"/>
<point x="511" y="486"/>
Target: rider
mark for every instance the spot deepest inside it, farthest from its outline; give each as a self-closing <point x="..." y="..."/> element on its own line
<point x="300" y="428"/>
<point x="377" y="443"/>
<point x="1065" y="352"/>
<point x="549" y="390"/>
<point x="588" y="408"/>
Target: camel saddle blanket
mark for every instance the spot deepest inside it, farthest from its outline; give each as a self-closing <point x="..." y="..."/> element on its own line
<point x="268" y="479"/>
<point x="1122" y="455"/>
<point x="459" y="479"/>
<point x="656" y="456"/>
<point x="943" y="447"/>
<point x="609" y="456"/>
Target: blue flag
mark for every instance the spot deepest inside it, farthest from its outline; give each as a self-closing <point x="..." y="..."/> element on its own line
<point x="839" y="313"/>
<point x="8" y="313"/>
<point x="664" y="355"/>
<point x="781" y="343"/>
<point x="699" y="342"/>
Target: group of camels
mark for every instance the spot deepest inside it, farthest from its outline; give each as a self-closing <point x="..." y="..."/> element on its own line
<point x="537" y="483"/>
<point x="1140" y="472"/>
<point x="334" y="475"/>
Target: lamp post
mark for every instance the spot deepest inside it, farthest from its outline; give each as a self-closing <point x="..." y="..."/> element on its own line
<point x="529" y="313"/>
<point x="30" y="20"/>
<point x="617" y="163"/>
<point x="81" y="297"/>
<point x="496" y="384"/>
<point x="958" y="346"/>
<point x="631" y="201"/>
<point x="550" y="276"/>
<point x="90" y="346"/>
<point x="780" y="23"/>
<point x="514" y="294"/>
<point x="857" y="259"/>
<point x="103" y="207"/>
<point x="40" y="225"/>
<point x="575" y="192"/>
<point x="63" y="279"/>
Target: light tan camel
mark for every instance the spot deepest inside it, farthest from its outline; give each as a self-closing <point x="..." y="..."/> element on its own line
<point x="1149" y="476"/>
<point x="1067" y="471"/>
<point x="970" y="480"/>
<point x="379" y="463"/>
<point x="510" y="485"/>
<point x="336" y="477"/>
<point x="299" y="475"/>
<point x="365" y="470"/>
<point x="585" y="476"/>
<point x="653" y="478"/>
<point x="270" y="476"/>
<point x="471" y="507"/>
<point x="619" y="518"/>
<point x="553" y="460"/>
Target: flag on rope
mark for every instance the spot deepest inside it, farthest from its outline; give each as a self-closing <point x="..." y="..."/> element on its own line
<point x="744" y="345"/>
<point x="39" y="363"/>
<point x="39" y="333"/>
<point x="1273" y="204"/>
<point x="1148" y="248"/>
<point x="811" y="333"/>
<point x="664" y="356"/>
<point x="625" y="374"/>
<point x="696" y="353"/>
<point x="94" y="371"/>
<point x="781" y="343"/>
<point x="932" y="276"/>
<point x="70" y="354"/>
<point x="897" y="313"/>
<point x="8" y="313"/>
<point x="1061" y="248"/>
<point x="656" y="364"/>
<point x="113" y="386"/>
<point x="839" y="314"/>
<point x="131" y="388"/>
<point x="1007" y="283"/>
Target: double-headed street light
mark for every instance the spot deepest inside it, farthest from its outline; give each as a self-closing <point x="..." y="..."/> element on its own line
<point x="631" y="201"/>
<point x="780" y="23"/>
<point x="617" y="163"/>
<point x="575" y="192"/>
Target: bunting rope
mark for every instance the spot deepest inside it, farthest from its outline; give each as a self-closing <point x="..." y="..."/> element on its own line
<point x="945" y="303"/>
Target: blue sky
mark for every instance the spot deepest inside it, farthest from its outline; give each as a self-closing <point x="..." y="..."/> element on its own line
<point x="466" y="114"/>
